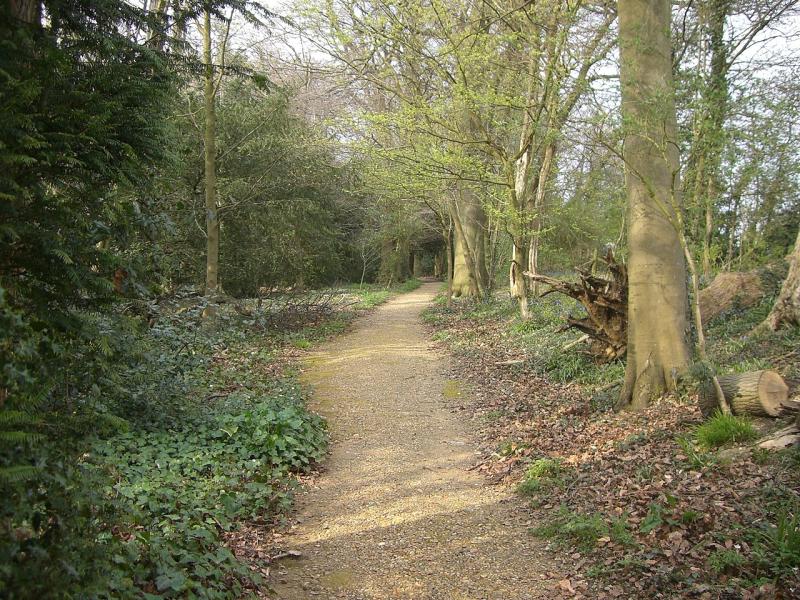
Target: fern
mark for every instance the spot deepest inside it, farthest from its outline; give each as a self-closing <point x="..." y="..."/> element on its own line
<point x="18" y="474"/>
<point x="15" y="438"/>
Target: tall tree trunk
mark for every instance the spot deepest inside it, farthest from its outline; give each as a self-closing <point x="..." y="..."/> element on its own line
<point x="520" y="235"/>
<point x="716" y="106"/>
<point x="657" y="298"/>
<point x="448" y="238"/>
<point x="786" y="310"/>
<point x="158" y="35"/>
<point x="536" y="208"/>
<point x="733" y="219"/>
<point x="209" y="146"/>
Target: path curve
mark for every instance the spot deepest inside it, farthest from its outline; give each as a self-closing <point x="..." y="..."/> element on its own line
<point x="396" y="515"/>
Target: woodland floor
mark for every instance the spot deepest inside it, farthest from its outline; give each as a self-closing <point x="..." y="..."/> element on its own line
<point x="398" y="513"/>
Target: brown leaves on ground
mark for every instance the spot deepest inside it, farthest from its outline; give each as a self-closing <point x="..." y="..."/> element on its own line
<point x="676" y="508"/>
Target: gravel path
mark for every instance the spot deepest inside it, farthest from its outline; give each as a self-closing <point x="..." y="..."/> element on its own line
<point x="396" y="514"/>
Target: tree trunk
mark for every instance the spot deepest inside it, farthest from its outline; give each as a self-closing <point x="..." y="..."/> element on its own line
<point x="209" y="145"/>
<point x="448" y="238"/>
<point x="716" y="106"/>
<point x="786" y="310"/>
<point x="732" y="220"/>
<point x="657" y="298"/>
<point x="27" y="11"/>
<point x="533" y="256"/>
<point x="158" y="34"/>
<point x="437" y="265"/>
<point x="517" y="281"/>
<point x="470" y="276"/>
<point x="757" y="393"/>
<point x="417" y="268"/>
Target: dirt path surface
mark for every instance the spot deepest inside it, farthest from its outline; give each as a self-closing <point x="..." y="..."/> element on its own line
<point x="396" y="514"/>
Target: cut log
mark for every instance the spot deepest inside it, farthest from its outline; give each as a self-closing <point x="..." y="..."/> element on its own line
<point x="757" y="393"/>
<point x="728" y="290"/>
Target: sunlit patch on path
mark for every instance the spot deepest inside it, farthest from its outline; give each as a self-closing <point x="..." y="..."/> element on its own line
<point x="396" y="514"/>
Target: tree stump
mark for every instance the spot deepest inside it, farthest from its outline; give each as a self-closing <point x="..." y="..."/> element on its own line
<point x="757" y="393"/>
<point x="606" y="302"/>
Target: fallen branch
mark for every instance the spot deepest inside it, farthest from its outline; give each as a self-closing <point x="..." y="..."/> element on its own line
<point x="783" y="438"/>
<point x="580" y="340"/>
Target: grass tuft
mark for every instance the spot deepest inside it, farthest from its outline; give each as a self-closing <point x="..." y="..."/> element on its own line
<point x="722" y="429"/>
<point x="542" y="475"/>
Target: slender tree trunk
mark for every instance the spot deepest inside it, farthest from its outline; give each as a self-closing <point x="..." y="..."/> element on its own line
<point x="657" y="298"/>
<point x="786" y="310"/>
<point x="533" y="255"/>
<point x="716" y="107"/>
<point x="209" y="139"/>
<point x="416" y="269"/>
<point x="537" y="208"/>
<point x="158" y="37"/>
<point x="709" y="231"/>
<point x="518" y="283"/>
<point x="448" y="238"/>
<point x="732" y="220"/>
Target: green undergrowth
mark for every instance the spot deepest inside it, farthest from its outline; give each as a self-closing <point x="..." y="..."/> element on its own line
<point x="539" y="340"/>
<point x="541" y="476"/>
<point x="162" y="438"/>
<point x="166" y="432"/>
<point x="585" y="531"/>
<point x="180" y="488"/>
<point x="736" y="343"/>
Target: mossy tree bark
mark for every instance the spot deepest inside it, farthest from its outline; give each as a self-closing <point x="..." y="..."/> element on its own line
<point x="657" y="297"/>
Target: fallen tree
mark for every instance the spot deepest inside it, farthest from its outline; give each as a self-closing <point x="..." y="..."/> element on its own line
<point x="756" y="393"/>
<point x="728" y="290"/>
<point x="606" y="302"/>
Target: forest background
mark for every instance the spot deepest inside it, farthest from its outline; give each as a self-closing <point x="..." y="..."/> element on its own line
<point x="164" y="160"/>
